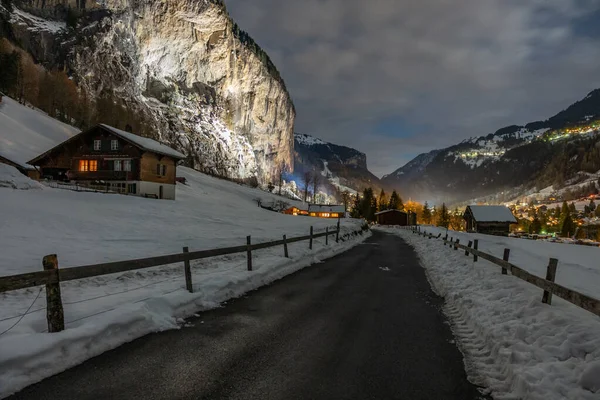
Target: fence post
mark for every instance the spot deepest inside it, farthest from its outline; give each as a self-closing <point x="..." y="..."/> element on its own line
<point x="337" y="234"/>
<point x="505" y="258"/>
<point x="326" y="235"/>
<point x="550" y="276"/>
<point x="188" y="271"/>
<point x="467" y="250"/>
<point x="285" y="250"/>
<point x="475" y="247"/>
<point x="456" y="244"/>
<point x="445" y="239"/>
<point x="311" y="238"/>
<point x="249" y="251"/>
<point x="54" y="308"/>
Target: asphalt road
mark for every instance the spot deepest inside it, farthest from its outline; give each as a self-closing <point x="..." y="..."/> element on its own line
<point x="362" y="325"/>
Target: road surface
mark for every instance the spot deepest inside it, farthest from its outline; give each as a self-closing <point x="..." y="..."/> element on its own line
<point x="362" y="325"/>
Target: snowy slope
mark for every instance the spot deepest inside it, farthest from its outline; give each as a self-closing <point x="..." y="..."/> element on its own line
<point x="26" y="133"/>
<point x="103" y="312"/>
<point x="514" y="345"/>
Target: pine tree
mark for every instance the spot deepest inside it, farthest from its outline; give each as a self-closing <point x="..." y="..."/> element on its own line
<point x="444" y="218"/>
<point x="592" y="205"/>
<point x="568" y="226"/>
<point x="383" y="201"/>
<point x="426" y="216"/>
<point x="565" y="209"/>
<point x="572" y="209"/>
<point x="355" y="213"/>
<point x="368" y="205"/>
<point x="536" y="225"/>
<point x="395" y="201"/>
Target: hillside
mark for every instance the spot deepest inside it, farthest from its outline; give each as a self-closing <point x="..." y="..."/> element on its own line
<point x="343" y="168"/>
<point x="182" y="72"/>
<point x="538" y="154"/>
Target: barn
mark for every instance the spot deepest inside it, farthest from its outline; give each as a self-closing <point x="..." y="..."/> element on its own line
<point x="396" y="217"/>
<point x="491" y="220"/>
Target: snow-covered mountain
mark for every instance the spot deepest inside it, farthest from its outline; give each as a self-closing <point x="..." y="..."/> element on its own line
<point x="183" y="67"/>
<point x="342" y="168"/>
<point x="539" y="154"/>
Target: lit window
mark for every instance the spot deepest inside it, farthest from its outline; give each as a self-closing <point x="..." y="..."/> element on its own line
<point x="312" y="214"/>
<point x="93" y="165"/>
<point x="83" y="165"/>
<point x="325" y="215"/>
<point x="334" y="215"/>
<point x="114" y="144"/>
<point x="97" y="145"/>
<point x="117" y="165"/>
<point x="126" y="165"/>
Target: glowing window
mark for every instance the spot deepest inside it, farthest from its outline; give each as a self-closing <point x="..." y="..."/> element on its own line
<point x="93" y="165"/>
<point x="334" y="215"/>
<point x="313" y="214"/>
<point x="83" y="165"/>
<point x="325" y="215"/>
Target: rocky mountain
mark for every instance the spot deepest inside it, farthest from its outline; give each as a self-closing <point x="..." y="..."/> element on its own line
<point x="539" y="154"/>
<point x="342" y="168"/>
<point x="182" y="66"/>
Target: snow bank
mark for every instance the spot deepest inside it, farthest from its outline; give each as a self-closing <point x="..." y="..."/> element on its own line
<point x="578" y="267"/>
<point x="27" y="355"/>
<point x="10" y="177"/>
<point x="513" y="344"/>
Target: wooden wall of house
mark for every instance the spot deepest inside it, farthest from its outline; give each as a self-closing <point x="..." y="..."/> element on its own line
<point x="148" y="168"/>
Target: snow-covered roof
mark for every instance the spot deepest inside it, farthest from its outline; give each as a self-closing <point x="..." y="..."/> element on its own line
<point x="145" y="143"/>
<point x="326" y="208"/>
<point x="492" y="214"/>
<point x="387" y="211"/>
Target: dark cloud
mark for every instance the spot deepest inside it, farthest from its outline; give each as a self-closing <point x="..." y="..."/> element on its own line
<point x="444" y="70"/>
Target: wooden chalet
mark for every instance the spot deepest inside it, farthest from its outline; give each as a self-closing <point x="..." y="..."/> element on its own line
<point x="326" y="211"/>
<point x="491" y="220"/>
<point x="122" y="161"/>
<point x="396" y="217"/>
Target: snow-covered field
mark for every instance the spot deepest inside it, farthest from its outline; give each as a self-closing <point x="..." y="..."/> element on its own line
<point x="104" y="312"/>
<point x="578" y="267"/>
<point x="514" y="345"/>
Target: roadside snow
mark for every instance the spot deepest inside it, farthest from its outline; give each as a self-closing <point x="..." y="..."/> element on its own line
<point x="513" y="344"/>
<point x="155" y="300"/>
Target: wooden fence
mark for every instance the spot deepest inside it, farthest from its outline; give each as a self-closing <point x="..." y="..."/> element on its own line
<point x="51" y="276"/>
<point x="548" y="285"/>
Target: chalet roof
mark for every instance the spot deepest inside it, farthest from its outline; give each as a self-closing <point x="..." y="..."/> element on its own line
<point x="491" y="214"/>
<point x="387" y="211"/>
<point x="326" y="208"/>
<point x="143" y="143"/>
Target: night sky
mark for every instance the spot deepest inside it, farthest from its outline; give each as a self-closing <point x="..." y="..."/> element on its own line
<point x="397" y="78"/>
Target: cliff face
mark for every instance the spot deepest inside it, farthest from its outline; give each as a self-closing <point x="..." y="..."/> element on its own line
<point x="183" y="64"/>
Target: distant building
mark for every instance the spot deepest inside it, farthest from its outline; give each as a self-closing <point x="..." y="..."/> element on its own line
<point x="326" y="211"/>
<point x="122" y="161"/>
<point x="491" y="220"/>
<point x="396" y="217"/>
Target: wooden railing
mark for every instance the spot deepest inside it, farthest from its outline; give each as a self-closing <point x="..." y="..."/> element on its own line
<point x="51" y="276"/>
<point x="548" y="285"/>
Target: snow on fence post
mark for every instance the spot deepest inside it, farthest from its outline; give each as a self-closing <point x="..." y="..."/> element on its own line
<point x="311" y="238"/>
<point x="456" y="244"/>
<point x="326" y="235"/>
<point x="285" y="249"/>
<point x="505" y="258"/>
<point x="550" y="276"/>
<point x="467" y="250"/>
<point x="249" y="251"/>
<point x="54" y="308"/>
<point x="188" y="271"/>
<point x="475" y="247"/>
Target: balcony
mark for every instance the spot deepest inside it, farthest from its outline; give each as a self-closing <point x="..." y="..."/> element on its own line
<point x="102" y="175"/>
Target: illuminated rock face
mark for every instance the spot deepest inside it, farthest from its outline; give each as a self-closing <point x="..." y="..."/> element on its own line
<point x="209" y="90"/>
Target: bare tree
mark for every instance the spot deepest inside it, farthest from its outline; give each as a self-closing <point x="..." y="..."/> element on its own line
<point x="346" y="196"/>
<point x="316" y="181"/>
<point x="306" y="181"/>
<point x="280" y="173"/>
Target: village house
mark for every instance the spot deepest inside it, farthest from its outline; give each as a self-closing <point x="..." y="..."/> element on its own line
<point x="396" y="217"/>
<point x="326" y="211"/>
<point x="124" y="162"/>
<point x="491" y="220"/>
